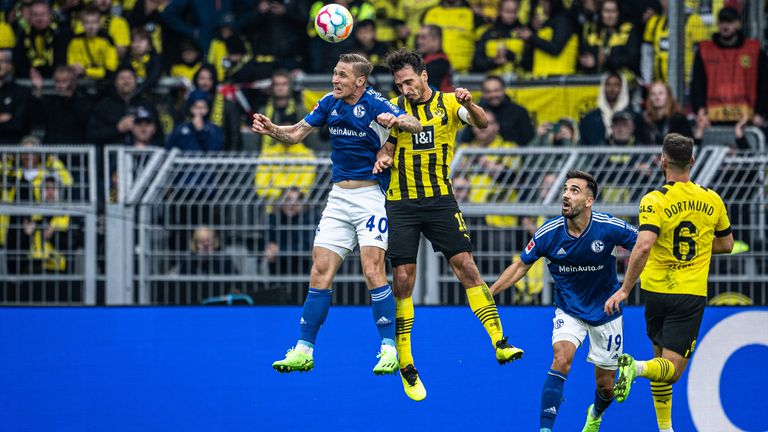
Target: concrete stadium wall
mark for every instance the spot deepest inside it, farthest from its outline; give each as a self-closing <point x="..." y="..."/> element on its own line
<point x="208" y="369"/>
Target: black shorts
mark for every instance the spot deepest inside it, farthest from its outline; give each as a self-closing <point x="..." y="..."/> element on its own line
<point x="438" y="218"/>
<point x="673" y="320"/>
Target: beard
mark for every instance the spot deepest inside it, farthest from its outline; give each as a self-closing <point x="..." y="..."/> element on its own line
<point x="569" y="211"/>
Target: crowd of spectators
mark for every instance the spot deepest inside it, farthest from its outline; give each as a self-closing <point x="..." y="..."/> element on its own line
<point x="226" y="53"/>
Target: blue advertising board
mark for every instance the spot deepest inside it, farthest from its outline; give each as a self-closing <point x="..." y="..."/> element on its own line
<point x="208" y="369"/>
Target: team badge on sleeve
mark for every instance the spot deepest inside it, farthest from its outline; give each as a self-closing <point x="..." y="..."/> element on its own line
<point x="530" y="246"/>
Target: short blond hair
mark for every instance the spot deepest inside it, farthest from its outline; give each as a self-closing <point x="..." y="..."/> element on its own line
<point x="360" y="64"/>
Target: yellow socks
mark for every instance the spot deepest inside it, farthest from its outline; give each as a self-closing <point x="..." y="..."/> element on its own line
<point x="482" y="304"/>
<point x="404" y="323"/>
<point x="658" y="369"/>
<point x="662" y="402"/>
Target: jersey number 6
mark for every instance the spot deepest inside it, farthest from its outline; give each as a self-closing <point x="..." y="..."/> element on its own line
<point x="684" y="246"/>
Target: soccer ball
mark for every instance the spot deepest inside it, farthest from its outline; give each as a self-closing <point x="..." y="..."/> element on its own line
<point x="333" y="23"/>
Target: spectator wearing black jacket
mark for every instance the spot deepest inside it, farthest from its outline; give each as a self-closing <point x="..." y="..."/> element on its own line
<point x="146" y="15"/>
<point x="515" y="122"/>
<point x="42" y="45"/>
<point x="197" y="19"/>
<point x="280" y="29"/>
<point x="15" y="103"/>
<point x="614" y="45"/>
<point x="113" y="116"/>
<point x="662" y="116"/>
<point x="63" y="115"/>
<point x="429" y="43"/>
<point x="143" y="59"/>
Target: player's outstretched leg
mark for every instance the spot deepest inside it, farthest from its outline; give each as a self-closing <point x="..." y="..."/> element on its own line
<point x="627" y="374"/>
<point x="551" y="397"/>
<point x="383" y="302"/>
<point x="484" y="308"/>
<point x="404" y="315"/>
<point x="659" y="370"/>
<point x="299" y="358"/>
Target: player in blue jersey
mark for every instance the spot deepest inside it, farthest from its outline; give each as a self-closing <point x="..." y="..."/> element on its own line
<point x="579" y="248"/>
<point x="359" y="120"/>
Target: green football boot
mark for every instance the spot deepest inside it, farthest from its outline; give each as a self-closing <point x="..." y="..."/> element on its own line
<point x="593" y="423"/>
<point x="294" y="361"/>
<point x="387" y="364"/>
<point x="506" y="353"/>
<point x="412" y="383"/>
<point x="627" y="373"/>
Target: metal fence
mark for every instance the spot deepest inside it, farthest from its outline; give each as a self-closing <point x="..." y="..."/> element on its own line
<point x="183" y="227"/>
<point x="48" y="218"/>
<point x="179" y="228"/>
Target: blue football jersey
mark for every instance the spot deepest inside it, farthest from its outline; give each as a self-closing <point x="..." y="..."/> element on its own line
<point x="584" y="267"/>
<point x="356" y="137"/>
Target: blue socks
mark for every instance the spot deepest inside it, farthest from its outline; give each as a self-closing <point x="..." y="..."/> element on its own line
<point x="551" y="396"/>
<point x="319" y="301"/>
<point x="601" y="404"/>
<point x="383" y="302"/>
<point x="313" y="315"/>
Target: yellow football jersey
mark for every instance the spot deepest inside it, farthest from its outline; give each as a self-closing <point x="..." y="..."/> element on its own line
<point x="422" y="161"/>
<point x="686" y="218"/>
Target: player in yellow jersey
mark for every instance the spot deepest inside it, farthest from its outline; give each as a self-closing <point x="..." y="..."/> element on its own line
<point x="681" y="226"/>
<point x="420" y="201"/>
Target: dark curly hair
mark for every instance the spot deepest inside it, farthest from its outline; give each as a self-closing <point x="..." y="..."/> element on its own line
<point x="397" y="60"/>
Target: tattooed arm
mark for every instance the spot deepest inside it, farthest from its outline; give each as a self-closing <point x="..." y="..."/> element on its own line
<point x="405" y="122"/>
<point x="409" y="123"/>
<point x="287" y="134"/>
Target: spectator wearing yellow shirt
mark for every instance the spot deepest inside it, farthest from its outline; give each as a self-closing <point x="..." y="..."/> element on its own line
<point x="655" y="61"/>
<point x="390" y="23"/>
<point x="189" y="61"/>
<point x="283" y="107"/>
<point x="114" y="25"/>
<point x="413" y="11"/>
<point x="7" y="38"/>
<point x="551" y="41"/>
<point x="228" y="43"/>
<point x="46" y="238"/>
<point x="461" y="29"/>
<point x="499" y="50"/>
<point x="487" y="9"/>
<point x="90" y="54"/>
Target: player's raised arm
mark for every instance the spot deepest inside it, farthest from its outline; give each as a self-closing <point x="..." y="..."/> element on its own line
<point x="475" y="114"/>
<point x="288" y="134"/>
<point x="511" y="276"/>
<point x="404" y="122"/>
<point x="637" y="260"/>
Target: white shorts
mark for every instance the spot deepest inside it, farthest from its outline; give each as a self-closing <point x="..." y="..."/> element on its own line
<point x="606" y="342"/>
<point x="352" y="217"/>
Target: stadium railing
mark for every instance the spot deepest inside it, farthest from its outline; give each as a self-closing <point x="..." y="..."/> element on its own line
<point x="162" y="197"/>
<point x="48" y="225"/>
